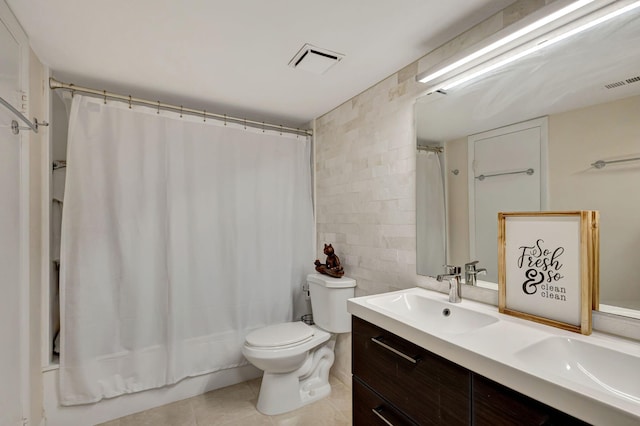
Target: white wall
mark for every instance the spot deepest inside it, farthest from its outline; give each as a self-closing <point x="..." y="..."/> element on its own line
<point x="578" y="138"/>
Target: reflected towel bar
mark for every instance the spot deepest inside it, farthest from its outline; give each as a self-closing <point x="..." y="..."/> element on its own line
<point x="437" y="149"/>
<point x="528" y="171"/>
<point x="600" y="164"/>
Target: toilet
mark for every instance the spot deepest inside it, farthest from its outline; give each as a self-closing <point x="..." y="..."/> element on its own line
<point x="296" y="357"/>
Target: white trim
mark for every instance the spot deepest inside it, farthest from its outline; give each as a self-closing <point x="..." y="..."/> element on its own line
<point x="543" y="124"/>
<point x="25" y="282"/>
<point x="447" y="221"/>
<point x="544" y="163"/>
<point x="618" y="310"/>
<point x="19" y="35"/>
<point x="45" y="294"/>
<point x="471" y="195"/>
<point x="314" y="187"/>
<point x="25" y="246"/>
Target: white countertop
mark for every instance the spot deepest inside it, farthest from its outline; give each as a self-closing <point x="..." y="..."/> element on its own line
<point x="492" y="352"/>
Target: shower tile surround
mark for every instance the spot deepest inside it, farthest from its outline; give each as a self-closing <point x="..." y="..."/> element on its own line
<point x="365" y="179"/>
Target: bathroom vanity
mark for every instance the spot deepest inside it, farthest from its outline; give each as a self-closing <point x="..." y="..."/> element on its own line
<point x="427" y="389"/>
<point x="418" y="359"/>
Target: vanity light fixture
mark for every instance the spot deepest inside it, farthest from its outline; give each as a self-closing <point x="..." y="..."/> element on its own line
<point x="504" y="40"/>
<point x="556" y="35"/>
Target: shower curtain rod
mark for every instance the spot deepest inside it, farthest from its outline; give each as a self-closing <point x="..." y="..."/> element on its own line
<point x="55" y="84"/>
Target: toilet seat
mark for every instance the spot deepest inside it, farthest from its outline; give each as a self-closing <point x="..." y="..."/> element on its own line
<point x="280" y="335"/>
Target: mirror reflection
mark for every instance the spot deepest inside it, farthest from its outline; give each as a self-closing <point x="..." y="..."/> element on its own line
<point x="559" y="130"/>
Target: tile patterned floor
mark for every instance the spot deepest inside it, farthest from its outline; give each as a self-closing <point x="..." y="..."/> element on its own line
<point x="236" y="405"/>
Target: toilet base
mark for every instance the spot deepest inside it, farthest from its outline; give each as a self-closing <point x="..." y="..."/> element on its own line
<point x="284" y="392"/>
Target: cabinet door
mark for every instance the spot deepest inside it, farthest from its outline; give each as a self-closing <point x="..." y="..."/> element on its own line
<point x="497" y="405"/>
<point x="427" y="388"/>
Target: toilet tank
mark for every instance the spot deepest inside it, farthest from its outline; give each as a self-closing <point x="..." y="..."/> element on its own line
<point x="329" y="301"/>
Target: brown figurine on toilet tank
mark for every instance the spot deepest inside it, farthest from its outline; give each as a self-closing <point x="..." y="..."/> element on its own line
<point x="332" y="267"/>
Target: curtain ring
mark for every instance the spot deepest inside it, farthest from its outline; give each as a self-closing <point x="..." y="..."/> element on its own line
<point x="263" y="127"/>
<point x="158" y="108"/>
<point x="105" y="96"/>
<point x="204" y="115"/>
<point x="281" y="130"/>
<point x="129" y="101"/>
<point x="180" y="111"/>
<point x="225" y="119"/>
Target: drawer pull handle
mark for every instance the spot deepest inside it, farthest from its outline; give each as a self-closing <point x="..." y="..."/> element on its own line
<point x="377" y="411"/>
<point x="378" y="340"/>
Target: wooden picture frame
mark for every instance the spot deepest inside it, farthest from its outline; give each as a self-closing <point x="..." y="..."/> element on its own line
<point x="548" y="267"/>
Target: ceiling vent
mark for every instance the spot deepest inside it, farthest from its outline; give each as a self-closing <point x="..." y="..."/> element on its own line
<point x="314" y="59"/>
<point x="614" y="85"/>
<point x="622" y="82"/>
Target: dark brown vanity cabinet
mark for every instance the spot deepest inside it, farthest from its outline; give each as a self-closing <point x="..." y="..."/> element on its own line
<point x="399" y="383"/>
<point x="407" y="379"/>
<point x="373" y="410"/>
<point x="497" y="405"/>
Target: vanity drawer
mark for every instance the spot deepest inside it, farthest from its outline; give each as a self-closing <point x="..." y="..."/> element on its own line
<point x="370" y="409"/>
<point x="497" y="405"/>
<point x="427" y="388"/>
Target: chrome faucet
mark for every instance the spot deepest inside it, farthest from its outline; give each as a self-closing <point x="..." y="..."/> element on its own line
<point x="471" y="272"/>
<point x="453" y="275"/>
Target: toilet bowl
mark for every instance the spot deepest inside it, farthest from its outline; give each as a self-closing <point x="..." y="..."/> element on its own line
<point x="296" y="357"/>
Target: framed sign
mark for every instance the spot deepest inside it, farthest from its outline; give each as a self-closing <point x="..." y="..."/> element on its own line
<point x="548" y="267"/>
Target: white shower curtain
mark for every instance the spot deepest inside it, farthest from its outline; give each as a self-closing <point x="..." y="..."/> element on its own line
<point x="178" y="237"/>
<point x="431" y="219"/>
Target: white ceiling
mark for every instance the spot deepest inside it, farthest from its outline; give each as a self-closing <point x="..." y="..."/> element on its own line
<point x="231" y="56"/>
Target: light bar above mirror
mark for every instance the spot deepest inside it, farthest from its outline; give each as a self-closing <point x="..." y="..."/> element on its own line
<point x="544" y="29"/>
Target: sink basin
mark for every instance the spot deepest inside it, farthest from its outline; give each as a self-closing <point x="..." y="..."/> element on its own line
<point x="432" y="314"/>
<point x="587" y="364"/>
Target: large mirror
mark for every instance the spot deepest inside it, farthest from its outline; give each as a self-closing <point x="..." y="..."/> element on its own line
<point x="538" y="131"/>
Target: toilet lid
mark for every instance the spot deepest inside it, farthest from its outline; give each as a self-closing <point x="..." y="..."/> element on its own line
<point x="280" y="334"/>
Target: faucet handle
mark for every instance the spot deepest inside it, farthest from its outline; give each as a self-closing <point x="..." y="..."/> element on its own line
<point x="471" y="265"/>
<point x="452" y="269"/>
